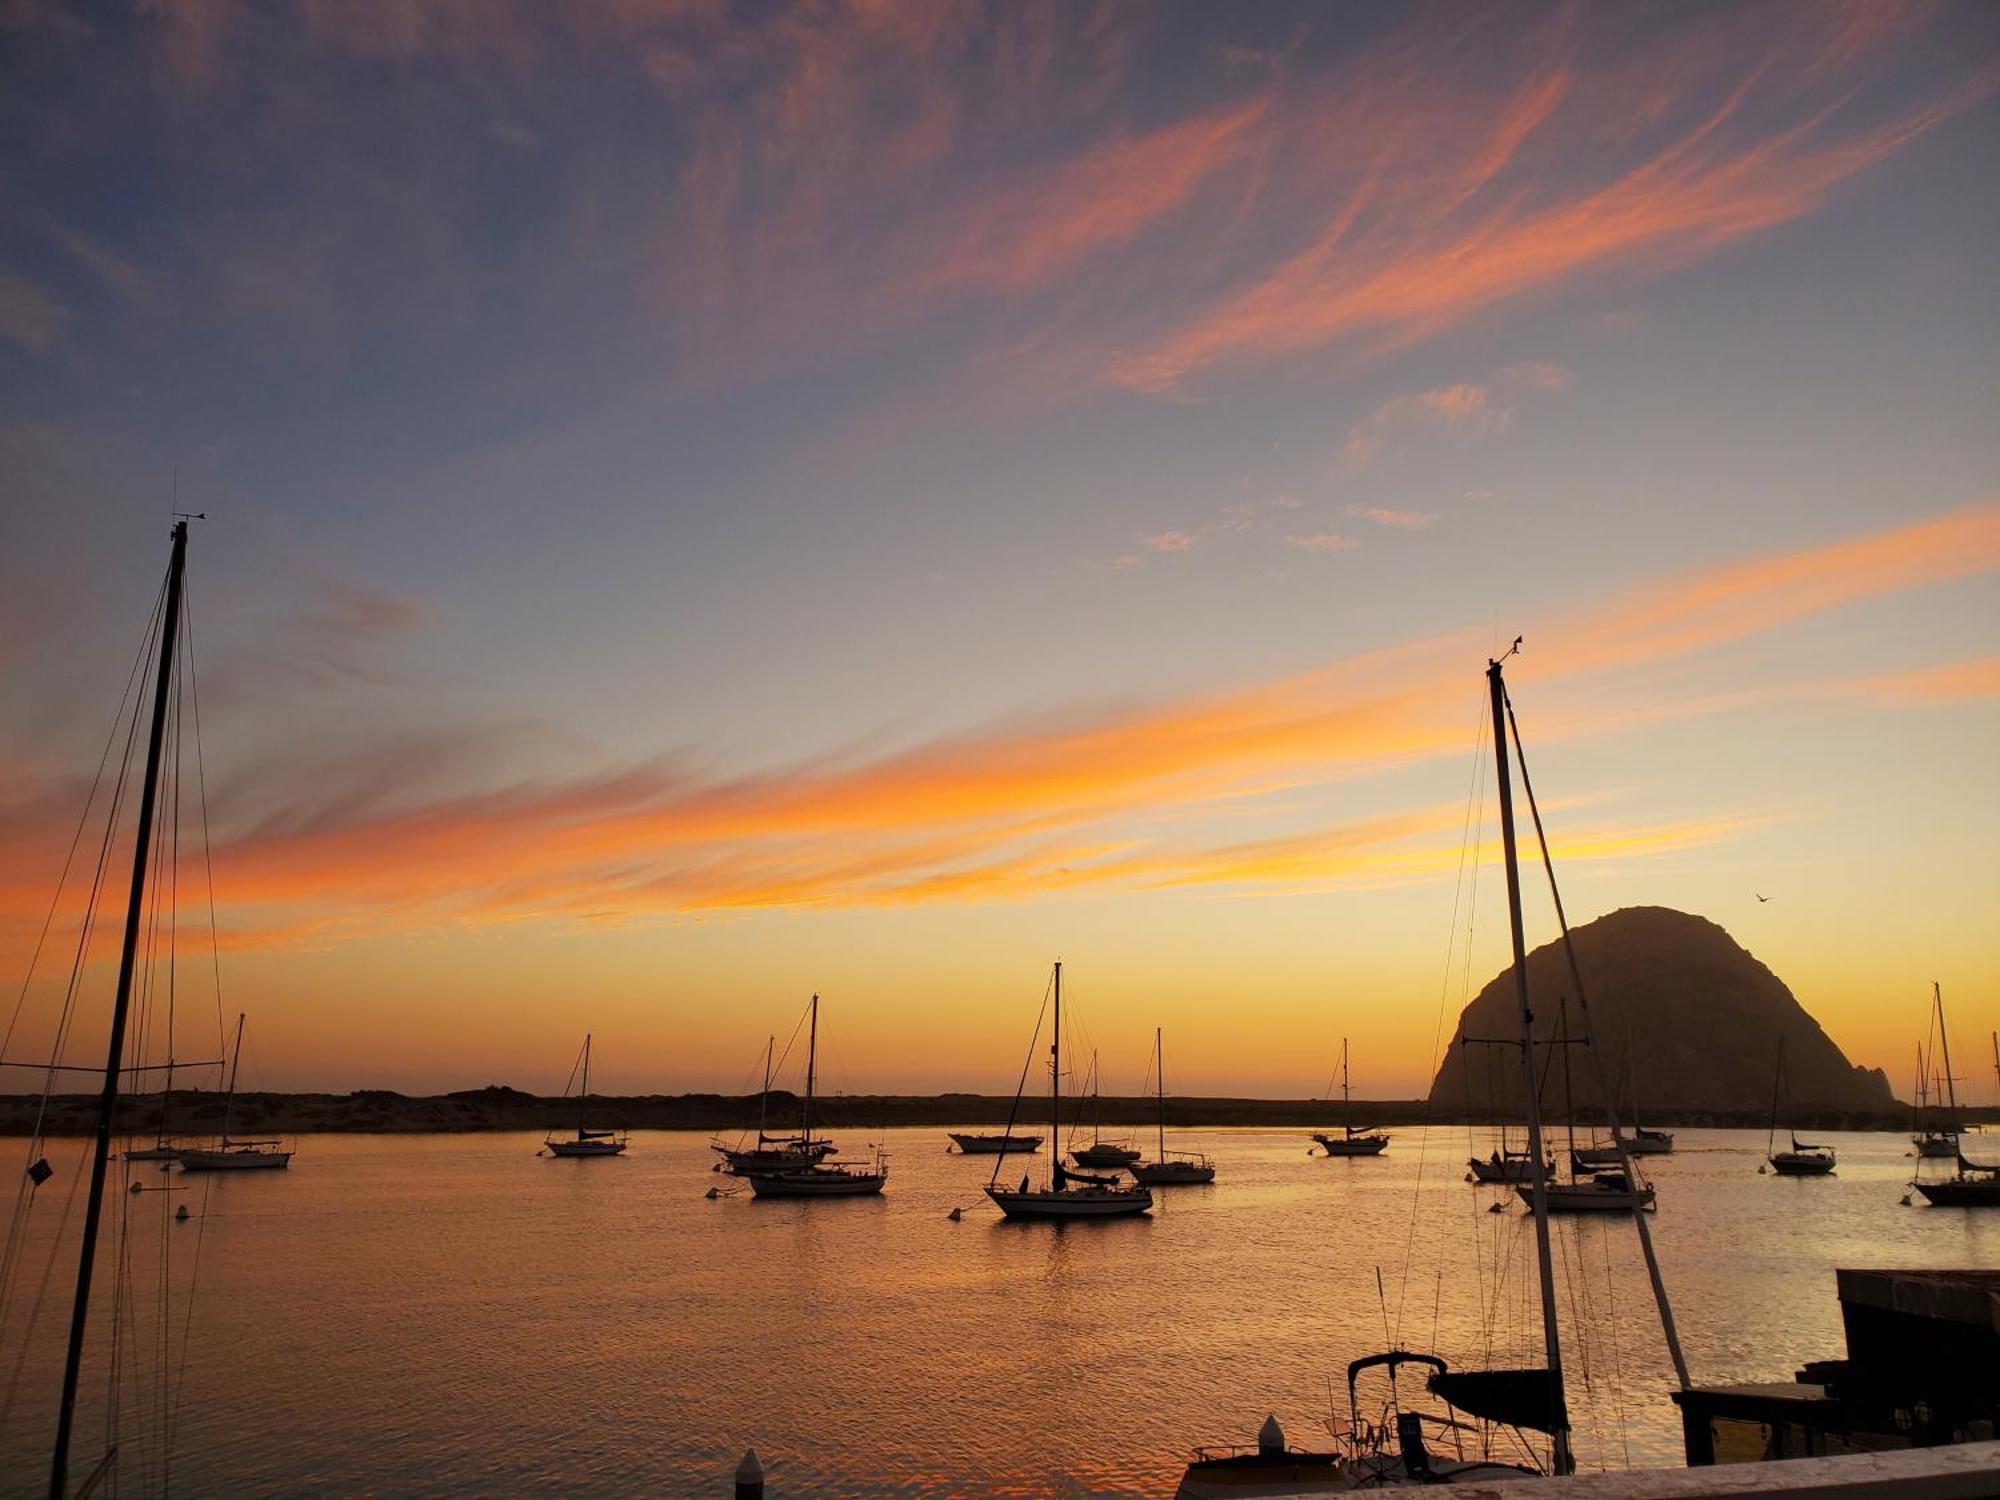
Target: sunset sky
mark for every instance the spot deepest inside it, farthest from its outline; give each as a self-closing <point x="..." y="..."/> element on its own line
<point x="713" y="502"/>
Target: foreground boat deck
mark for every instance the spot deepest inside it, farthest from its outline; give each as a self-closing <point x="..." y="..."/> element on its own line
<point x="1959" y="1471"/>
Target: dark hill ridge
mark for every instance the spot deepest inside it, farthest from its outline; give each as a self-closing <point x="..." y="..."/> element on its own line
<point x="1701" y="1016"/>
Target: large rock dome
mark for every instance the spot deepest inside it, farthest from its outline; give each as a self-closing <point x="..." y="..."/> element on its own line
<point x="1699" y="1017"/>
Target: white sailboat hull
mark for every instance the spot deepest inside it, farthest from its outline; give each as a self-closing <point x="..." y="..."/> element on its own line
<point x="1072" y="1203"/>
<point x="201" y="1160"/>
<point x="818" y="1182"/>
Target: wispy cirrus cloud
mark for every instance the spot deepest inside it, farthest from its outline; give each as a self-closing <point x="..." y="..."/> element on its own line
<point x="1108" y="798"/>
<point x="1387" y="269"/>
<point x="1462" y="408"/>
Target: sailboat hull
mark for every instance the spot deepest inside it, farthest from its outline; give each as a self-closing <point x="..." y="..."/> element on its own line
<point x="1104" y="1156"/>
<point x="1360" y="1145"/>
<point x="997" y="1145"/>
<point x="1962" y="1192"/>
<point x="235" y="1161"/>
<point x="1802" y="1164"/>
<point x="1072" y="1203"/>
<point x="818" y="1182"/>
<point x="154" y="1153"/>
<point x="1171" y="1173"/>
<point x="583" y="1148"/>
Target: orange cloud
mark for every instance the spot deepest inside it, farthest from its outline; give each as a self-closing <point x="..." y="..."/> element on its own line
<point x="1117" y="798"/>
<point x="1973" y="681"/>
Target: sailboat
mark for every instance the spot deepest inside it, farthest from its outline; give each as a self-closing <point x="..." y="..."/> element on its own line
<point x="1612" y="1187"/>
<point x="772" y="1152"/>
<point x="1394" y="1452"/>
<point x="1974" y="1184"/>
<point x="819" y="1178"/>
<point x="1101" y="1153"/>
<point x="229" y="1154"/>
<point x="1641" y="1142"/>
<point x="1179" y="1167"/>
<point x="1933" y="1137"/>
<point x="1803" y="1159"/>
<point x="1068" y="1195"/>
<point x="995" y="1145"/>
<point x="1353" y="1140"/>
<point x="586" y="1142"/>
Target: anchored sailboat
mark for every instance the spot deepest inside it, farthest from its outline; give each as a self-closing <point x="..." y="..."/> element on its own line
<point x="1353" y="1140"/>
<point x="1934" y="1137"/>
<point x="1178" y="1167"/>
<point x="1974" y="1184"/>
<point x="771" y="1152"/>
<point x="586" y="1142"/>
<point x="817" y="1178"/>
<point x="1101" y="1153"/>
<point x="1803" y="1159"/>
<point x="1067" y="1195"/>
<point x="995" y="1145"/>
<point x="230" y="1154"/>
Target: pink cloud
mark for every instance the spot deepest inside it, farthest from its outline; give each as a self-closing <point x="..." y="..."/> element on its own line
<point x="1321" y="541"/>
<point x="1171" y="541"/>
<point x="1406" y="520"/>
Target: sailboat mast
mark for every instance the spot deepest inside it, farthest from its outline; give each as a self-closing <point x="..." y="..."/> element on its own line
<point x="229" y="1093"/>
<point x="1551" y="1340"/>
<point x="1160" y="1067"/>
<point x="764" y="1099"/>
<point x="812" y="1069"/>
<point x="1055" y="1082"/>
<point x="1944" y="1041"/>
<point x="1618" y="1141"/>
<point x="1346" y="1099"/>
<point x="583" y="1098"/>
<point x="1777" y="1082"/>
<point x="121" y="1005"/>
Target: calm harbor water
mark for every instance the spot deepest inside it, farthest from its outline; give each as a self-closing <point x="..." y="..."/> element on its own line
<point x="432" y="1315"/>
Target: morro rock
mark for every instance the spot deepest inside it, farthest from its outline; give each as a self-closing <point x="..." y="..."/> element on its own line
<point x="1698" y="1016"/>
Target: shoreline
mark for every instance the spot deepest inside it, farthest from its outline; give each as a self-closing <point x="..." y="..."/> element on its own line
<point x="385" y="1112"/>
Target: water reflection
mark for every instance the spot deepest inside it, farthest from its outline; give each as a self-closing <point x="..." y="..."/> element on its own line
<point x="439" y="1314"/>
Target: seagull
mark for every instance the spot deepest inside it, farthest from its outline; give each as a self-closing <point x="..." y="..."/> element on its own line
<point x="1760" y="898"/>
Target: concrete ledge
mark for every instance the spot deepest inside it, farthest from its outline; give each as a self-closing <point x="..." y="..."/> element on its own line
<point x="1961" y="1471"/>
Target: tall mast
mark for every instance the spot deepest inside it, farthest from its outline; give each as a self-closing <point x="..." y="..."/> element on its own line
<point x="764" y="1100"/>
<point x="1944" y="1041"/>
<point x="1055" y="1083"/>
<point x="812" y="1066"/>
<point x="229" y="1093"/>
<point x="1160" y="1067"/>
<point x="1666" y="1310"/>
<point x="1551" y="1340"/>
<point x="1777" y="1082"/>
<point x="107" y="1100"/>
<point x="583" y="1098"/>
